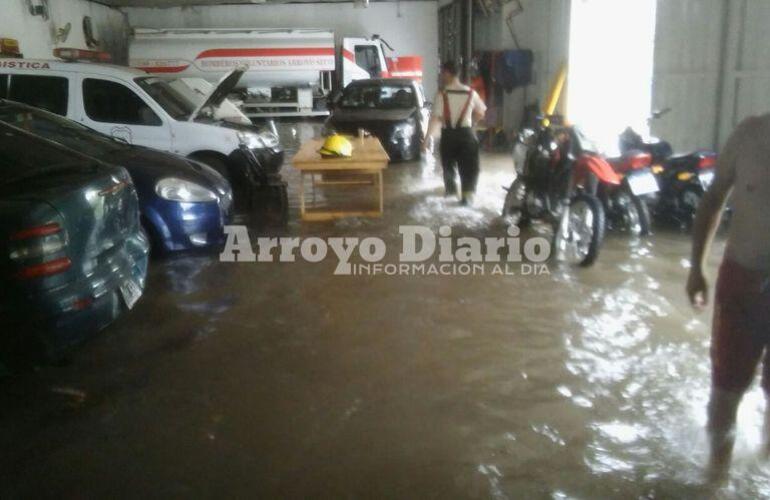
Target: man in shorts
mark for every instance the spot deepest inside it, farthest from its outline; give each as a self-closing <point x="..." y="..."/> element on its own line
<point x="741" y="325"/>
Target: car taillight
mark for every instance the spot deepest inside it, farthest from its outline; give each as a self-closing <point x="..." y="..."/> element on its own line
<point x="49" y="268"/>
<point x="32" y="232"/>
<point x="707" y="161"/>
<point x="36" y="243"/>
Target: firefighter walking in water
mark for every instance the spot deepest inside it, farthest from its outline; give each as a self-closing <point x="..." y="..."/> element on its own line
<point x="456" y="109"/>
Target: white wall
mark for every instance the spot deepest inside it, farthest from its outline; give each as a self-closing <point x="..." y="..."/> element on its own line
<point x="610" y="84"/>
<point x="542" y="27"/>
<point x="711" y="62"/>
<point x="711" y="67"/>
<point x="687" y="71"/>
<point x="35" y="35"/>
<point x="410" y="27"/>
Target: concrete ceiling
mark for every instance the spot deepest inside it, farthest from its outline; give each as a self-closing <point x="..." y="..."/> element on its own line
<point x="177" y="3"/>
<point x="172" y="3"/>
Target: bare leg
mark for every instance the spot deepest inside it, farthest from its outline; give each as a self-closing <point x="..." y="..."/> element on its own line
<point x="722" y="413"/>
<point x="766" y="428"/>
<point x="766" y="389"/>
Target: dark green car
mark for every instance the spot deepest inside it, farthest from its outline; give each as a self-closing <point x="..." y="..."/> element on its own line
<point x="72" y="252"/>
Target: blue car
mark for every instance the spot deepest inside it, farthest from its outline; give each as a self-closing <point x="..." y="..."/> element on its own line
<point x="73" y="255"/>
<point x="184" y="204"/>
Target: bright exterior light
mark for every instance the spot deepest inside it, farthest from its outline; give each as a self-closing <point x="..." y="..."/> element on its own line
<point x="611" y="67"/>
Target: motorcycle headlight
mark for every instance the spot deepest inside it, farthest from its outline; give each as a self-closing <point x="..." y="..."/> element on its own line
<point x="520" y="152"/>
<point x="259" y="140"/>
<point x="404" y="131"/>
<point x="174" y="189"/>
<point x="527" y="136"/>
<point x="269" y="139"/>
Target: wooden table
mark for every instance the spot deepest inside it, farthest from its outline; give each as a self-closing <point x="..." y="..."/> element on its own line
<point x="364" y="168"/>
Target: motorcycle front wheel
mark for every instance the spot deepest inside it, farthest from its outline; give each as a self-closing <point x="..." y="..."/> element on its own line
<point x="579" y="231"/>
<point x="689" y="201"/>
<point x="515" y="202"/>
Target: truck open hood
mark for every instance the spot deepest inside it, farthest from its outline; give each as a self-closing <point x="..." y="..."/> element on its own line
<point x="220" y="92"/>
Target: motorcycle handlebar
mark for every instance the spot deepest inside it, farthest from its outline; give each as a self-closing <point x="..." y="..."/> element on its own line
<point x="552" y="119"/>
<point x="660" y="113"/>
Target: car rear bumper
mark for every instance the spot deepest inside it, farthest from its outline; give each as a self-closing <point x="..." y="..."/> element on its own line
<point x="65" y="315"/>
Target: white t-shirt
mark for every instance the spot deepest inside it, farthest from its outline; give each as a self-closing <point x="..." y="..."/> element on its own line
<point x="458" y="97"/>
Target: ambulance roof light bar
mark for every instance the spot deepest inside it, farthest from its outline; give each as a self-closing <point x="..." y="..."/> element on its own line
<point x="73" y="55"/>
<point x="9" y="47"/>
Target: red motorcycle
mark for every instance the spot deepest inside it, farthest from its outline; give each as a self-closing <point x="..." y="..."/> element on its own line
<point x="557" y="175"/>
<point x="626" y="202"/>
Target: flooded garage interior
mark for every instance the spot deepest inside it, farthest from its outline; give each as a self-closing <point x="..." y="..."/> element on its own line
<point x="284" y="380"/>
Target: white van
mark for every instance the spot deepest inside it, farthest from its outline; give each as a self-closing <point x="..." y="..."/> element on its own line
<point x="146" y="110"/>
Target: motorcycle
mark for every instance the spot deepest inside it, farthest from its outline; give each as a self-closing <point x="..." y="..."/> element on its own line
<point x="553" y="173"/>
<point x="627" y="203"/>
<point x="683" y="179"/>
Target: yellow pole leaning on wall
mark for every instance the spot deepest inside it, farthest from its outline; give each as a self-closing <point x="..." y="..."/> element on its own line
<point x="555" y="94"/>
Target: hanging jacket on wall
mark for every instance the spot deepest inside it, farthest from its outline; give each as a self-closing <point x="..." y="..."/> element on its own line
<point x="513" y="68"/>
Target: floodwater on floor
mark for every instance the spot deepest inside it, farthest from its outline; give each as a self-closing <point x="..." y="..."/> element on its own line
<point x="285" y="380"/>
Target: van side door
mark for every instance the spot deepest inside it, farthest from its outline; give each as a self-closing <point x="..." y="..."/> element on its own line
<point x="49" y="92"/>
<point x="114" y="108"/>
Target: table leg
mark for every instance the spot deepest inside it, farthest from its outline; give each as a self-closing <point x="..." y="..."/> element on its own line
<point x="382" y="197"/>
<point x="302" y="195"/>
<point x="312" y="176"/>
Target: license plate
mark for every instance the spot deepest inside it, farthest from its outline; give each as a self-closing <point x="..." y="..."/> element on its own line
<point x="131" y="293"/>
<point x="706" y="178"/>
<point x="642" y="184"/>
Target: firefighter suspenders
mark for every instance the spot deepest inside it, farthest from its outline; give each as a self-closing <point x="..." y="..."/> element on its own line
<point x="448" y="111"/>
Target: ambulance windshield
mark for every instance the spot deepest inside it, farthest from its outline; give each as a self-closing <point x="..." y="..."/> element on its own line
<point x="175" y="103"/>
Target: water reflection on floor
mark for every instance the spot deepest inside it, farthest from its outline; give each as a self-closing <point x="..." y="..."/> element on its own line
<point x="285" y="380"/>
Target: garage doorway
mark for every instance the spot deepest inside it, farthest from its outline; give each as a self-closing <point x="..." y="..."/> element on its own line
<point x="611" y="67"/>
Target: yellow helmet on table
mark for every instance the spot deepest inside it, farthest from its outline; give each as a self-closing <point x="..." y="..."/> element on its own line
<point x="336" y="146"/>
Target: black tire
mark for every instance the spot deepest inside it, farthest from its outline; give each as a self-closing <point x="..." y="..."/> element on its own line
<point x="515" y="201"/>
<point x="633" y="213"/>
<point x="587" y="255"/>
<point x="688" y="201"/>
<point x="645" y="220"/>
